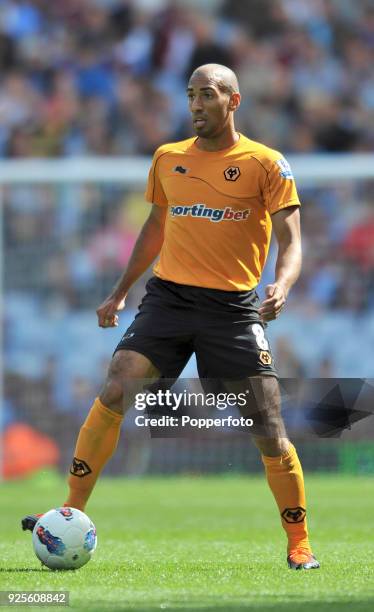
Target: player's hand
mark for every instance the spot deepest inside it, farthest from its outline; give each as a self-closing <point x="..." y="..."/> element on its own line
<point x="272" y="305"/>
<point x="107" y="311"/>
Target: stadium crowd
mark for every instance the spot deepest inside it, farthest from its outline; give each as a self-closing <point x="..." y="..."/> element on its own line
<point x="107" y="77"/>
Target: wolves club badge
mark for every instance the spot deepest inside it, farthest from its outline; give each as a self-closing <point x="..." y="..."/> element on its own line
<point x="232" y="173"/>
<point x="80" y="468"/>
<point x="294" y="515"/>
<point x="265" y="358"/>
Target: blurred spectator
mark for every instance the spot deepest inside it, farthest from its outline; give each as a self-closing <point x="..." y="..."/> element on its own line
<point x="7" y="52"/>
<point x="287" y="362"/>
<point x="358" y="244"/>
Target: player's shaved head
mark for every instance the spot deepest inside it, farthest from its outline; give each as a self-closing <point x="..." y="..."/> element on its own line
<point x="213" y="97"/>
<point x="222" y="76"/>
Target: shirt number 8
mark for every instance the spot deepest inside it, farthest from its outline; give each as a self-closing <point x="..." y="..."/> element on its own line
<point x="260" y="337"/>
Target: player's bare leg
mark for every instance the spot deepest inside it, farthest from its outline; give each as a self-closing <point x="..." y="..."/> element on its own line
<point x="283" y="468"/>
<point x="99" y="434"/>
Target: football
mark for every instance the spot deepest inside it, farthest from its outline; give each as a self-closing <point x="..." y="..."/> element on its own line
<point x="64" y="538"/>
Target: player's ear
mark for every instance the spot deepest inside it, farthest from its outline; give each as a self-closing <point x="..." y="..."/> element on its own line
<point x="234" y="101"/>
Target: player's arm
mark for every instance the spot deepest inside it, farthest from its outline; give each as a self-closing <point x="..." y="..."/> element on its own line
<point x="146" y="249"/>
<point x="286" y="227"/>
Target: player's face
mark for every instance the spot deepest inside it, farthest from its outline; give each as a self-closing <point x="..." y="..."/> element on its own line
<point x="209" y="106"/>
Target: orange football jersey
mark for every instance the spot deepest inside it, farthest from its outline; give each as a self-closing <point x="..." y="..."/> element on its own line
<point x="218" y="225"/>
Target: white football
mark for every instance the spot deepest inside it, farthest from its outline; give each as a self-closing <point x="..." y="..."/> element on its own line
<point x="64" y="538"/>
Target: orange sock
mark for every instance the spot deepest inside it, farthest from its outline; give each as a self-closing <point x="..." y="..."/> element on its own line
<point x="97" y="441"/>
<point x="285" y="478"/>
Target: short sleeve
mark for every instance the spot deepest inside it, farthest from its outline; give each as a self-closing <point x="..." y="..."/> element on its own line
<point x="154" y="192"/>
<point x="280" y="189"/>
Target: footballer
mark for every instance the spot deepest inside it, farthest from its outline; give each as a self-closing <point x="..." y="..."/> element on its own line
<point x="215" y="199"/>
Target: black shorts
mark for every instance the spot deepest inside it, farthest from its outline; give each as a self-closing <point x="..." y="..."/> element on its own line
<point x="222" y="328"/>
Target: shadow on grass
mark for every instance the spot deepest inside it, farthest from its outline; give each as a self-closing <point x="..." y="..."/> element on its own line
<point x="26" y="570"/>
<point x="15" y="570"/>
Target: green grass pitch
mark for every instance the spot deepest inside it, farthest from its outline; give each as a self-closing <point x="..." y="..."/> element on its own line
<point x="197" y="543"/>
